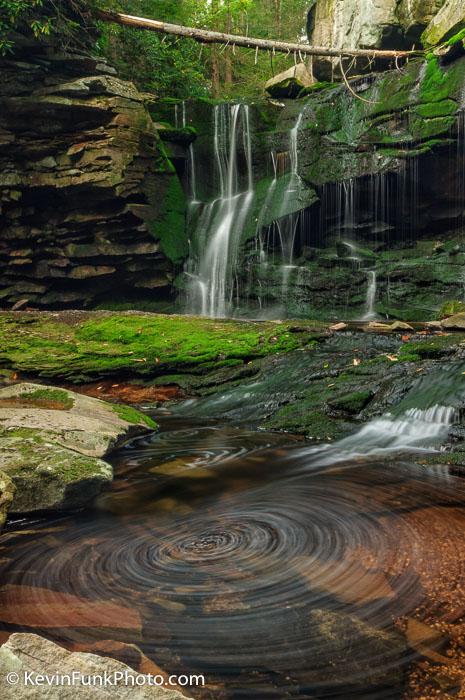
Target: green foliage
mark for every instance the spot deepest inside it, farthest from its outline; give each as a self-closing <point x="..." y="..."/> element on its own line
<point x="15" y="12"/>
<point x="168" y="66"/>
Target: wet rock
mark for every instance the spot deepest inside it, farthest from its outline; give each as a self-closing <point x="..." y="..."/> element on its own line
<point x="343" y="640"/>
<point x="31" y="653"/>
<point x="48" y="609"/>
<point x="290" y="83"/>
<point x="51" y="441"/>
<point x="339" y="327"/>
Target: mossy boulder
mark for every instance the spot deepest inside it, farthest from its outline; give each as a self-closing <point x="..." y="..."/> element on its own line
<point x="48" y="476"/>
<point x="51" y="444"/>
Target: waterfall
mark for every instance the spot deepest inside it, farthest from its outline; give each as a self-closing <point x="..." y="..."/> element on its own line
<point x="211" y="277"/>
<point x="415" y="428"/>
<point x="371" y="296"/>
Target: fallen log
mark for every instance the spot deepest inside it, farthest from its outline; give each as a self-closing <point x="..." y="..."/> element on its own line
<point x="208" y="37"/>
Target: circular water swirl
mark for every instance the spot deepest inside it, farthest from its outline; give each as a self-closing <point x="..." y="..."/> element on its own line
<point x="292" y="573"/>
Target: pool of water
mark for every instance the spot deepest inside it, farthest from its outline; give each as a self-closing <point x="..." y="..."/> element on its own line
<point x="247" y="557"/>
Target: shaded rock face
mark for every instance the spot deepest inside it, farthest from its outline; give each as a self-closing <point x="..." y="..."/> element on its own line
<point x="89" y="201"/>
<point x="378" y="24"/>
<point x="24" y="653"/>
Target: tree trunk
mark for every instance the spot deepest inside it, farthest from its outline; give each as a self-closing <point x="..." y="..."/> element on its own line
<point x="208" y="37"/>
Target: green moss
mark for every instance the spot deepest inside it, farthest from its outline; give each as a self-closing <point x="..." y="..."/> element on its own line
<point x="60" y="398"/>
<point x="351" y="403"/>
<point x="431" y="110"/>
<point x="431" y="348"/>
<point x="435" y="85"/>
<point x="132" y="415"/>
<point x="170" y="226"/>
<point x="107" y="344"/>
<point x="449" y="308"/>
<point x="459" y="37"/>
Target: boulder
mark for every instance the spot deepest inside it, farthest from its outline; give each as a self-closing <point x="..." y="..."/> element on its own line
<point x="449" y="21"/>
<point x="454" y="323"/>
<point x="29" y="653"/>
<point x="346" y="24"/>
<point x="290" y="83"/>
<point x="51" y="442"/>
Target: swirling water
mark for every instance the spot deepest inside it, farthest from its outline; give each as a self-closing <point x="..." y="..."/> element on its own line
<point x="244" y="556"/>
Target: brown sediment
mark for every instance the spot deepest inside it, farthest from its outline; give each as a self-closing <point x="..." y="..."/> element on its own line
<point x="130" y="393"/>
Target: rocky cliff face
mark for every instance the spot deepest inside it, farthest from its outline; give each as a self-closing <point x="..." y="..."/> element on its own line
<point x="377" y="24"/>
<point x="91" y="208"/>
<point x="374" y="222"/>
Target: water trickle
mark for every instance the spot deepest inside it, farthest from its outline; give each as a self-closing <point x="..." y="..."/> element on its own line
<point x="370" y="312"/>
<point x="211" y="272"/>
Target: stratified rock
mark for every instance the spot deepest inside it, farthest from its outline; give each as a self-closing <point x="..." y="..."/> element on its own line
<point x="455" y="322"/>
<point x="448" y="22"/>
<point x="86" y="188"/>
<point x="30" y="653"/>
<point x="50" y="443"/>
<point x="290" y="83"/>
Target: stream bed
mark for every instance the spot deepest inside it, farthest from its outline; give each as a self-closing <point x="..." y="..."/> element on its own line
<point x="254" y="559"/>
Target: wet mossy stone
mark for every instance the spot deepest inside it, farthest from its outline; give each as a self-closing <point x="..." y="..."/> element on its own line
<point x="47" y="476"/>
<point x="351" y="403"/>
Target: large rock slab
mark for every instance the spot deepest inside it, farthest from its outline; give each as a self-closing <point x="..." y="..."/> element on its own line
<point x="454" y="323"/>
<point x="348" y="24"/>
<point x="448" y="22"/>
<point x="290" y="83"/>
<point x="51" y="441"/>
<point x="86" y="425"/>
<point x="29" y="653"/>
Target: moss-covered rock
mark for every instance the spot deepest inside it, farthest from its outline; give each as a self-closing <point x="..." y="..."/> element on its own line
<point x="86" y="346"/>
<point x="51" y="441"/>
<point x="47" y="476"/>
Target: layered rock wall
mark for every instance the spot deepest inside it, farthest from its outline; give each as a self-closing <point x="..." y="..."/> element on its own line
<point x="92" y="210"/>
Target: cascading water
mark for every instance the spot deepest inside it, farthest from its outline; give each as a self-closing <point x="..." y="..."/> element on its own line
<point x="370" y="312"/>
<point x="211" y="273"/>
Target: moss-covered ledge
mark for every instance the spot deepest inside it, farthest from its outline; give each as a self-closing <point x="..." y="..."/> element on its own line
<point x="83" y="346"/>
